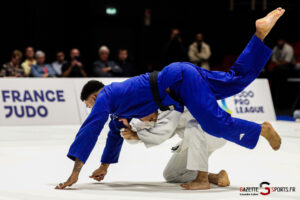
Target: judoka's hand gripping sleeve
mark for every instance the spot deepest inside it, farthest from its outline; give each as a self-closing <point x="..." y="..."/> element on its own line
<point x="164" y="129"/>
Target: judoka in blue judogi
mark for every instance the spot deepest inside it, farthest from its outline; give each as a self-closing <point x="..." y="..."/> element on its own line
<point x="177" y="85"/>
<point x="197" y="88"/>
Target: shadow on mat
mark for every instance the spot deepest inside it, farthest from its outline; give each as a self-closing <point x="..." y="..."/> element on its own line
<point x="147" y="187"/>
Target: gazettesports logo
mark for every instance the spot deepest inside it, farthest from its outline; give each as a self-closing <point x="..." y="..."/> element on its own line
<point x="264" y="189"/>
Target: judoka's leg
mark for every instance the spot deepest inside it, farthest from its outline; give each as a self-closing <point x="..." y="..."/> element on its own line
<point x="221" y="179"/>
<point x="200" y="147"/>
<point x="244" y="71"/>
<point x="214" y="143"/>
<point x="184" y="165"/>
<point x="176" y="171"/>
<point x="248" y="65"/>
<point x="198" y="150"/>
<point x="197" y="156"/>
<point x="201" y="102"/>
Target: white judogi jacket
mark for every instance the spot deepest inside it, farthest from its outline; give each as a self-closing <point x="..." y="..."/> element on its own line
<point x="198" y="144"/>
<point x="167" y="125"/>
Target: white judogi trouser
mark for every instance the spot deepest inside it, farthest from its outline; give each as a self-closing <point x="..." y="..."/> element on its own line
<point x="192" y="155"/>
<point x="194" y="149"/>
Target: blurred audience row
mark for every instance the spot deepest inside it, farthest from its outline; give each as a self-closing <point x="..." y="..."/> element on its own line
<point x="34" y="65"/>
<point x="198" y="52"/>
<point x="284" y="57"/>
<point x="283" y="61"/>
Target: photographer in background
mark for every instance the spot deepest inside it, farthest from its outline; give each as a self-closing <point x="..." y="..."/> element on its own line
<point x="199" y="52"/>
<point x="74" y="68"/>
<point x="174" y="49"/>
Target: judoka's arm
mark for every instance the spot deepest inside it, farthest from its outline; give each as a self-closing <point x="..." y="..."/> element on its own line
<point x="112" y="148"/>
<point x="74" y="176"/>
<point x="164" y="128"/>
<point x="87" y="137"/>
<point x="111" y="151"/>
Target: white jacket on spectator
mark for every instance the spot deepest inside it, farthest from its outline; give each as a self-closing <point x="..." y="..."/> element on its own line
<point x="200" y="58"/>
<point x="286" y="54"/>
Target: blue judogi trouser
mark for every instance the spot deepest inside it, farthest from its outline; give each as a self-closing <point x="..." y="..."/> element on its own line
<point x="200" y="94"/>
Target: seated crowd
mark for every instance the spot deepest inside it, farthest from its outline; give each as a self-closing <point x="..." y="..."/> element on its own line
<point x="34" y="65"/>
<point x="283" y="62"/>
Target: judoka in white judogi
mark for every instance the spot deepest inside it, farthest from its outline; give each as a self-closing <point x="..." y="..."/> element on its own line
<point x="190" y="155"/>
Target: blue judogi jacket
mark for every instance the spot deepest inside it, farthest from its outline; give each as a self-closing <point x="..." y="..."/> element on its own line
<point x="129" y="99"/>
<point x="198" y="88"/>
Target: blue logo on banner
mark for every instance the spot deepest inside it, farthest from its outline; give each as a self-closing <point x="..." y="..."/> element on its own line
<point x="242" y="102"/>
<point x="33" y="96"/>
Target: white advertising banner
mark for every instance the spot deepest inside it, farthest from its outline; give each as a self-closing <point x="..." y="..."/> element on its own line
<point x="37" y="101"/>
<point x="253" y="104"/>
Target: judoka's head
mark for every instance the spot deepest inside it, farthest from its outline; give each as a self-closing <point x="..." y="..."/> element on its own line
<point x="90" y="92"/>
<point x="150" y="118"/>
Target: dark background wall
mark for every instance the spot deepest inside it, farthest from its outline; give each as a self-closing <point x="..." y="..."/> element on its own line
<point x="52" y="25"/>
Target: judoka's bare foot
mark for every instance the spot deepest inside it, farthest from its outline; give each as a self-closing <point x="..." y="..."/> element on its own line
<point x="264" y="25"/>
<point x="195" y="185"/>
<point x="268" y="132"/>
<point x="200" y="183"/>
<point x="221" y="179"/>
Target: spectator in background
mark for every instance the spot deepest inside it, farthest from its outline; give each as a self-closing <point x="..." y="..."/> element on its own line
<point x="282" y="63"/>
<point x="29" y="61"/>
<point x="60" y="61"/>
<point x="199" y="52"/>
<point x="74" y="68"/>
<point x="174" y="50"/>
<point x="41" y="69"/>
<point x="104" y="67"/>
<point x="13" y="67"/>
<point x="126" y="66"/>
<point x="283" y="55"/>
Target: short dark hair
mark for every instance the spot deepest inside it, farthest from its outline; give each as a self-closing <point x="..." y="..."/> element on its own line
<point x="123" y="49"/>
<point x="89" y="88"/>
<point x="60" y="52"/>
